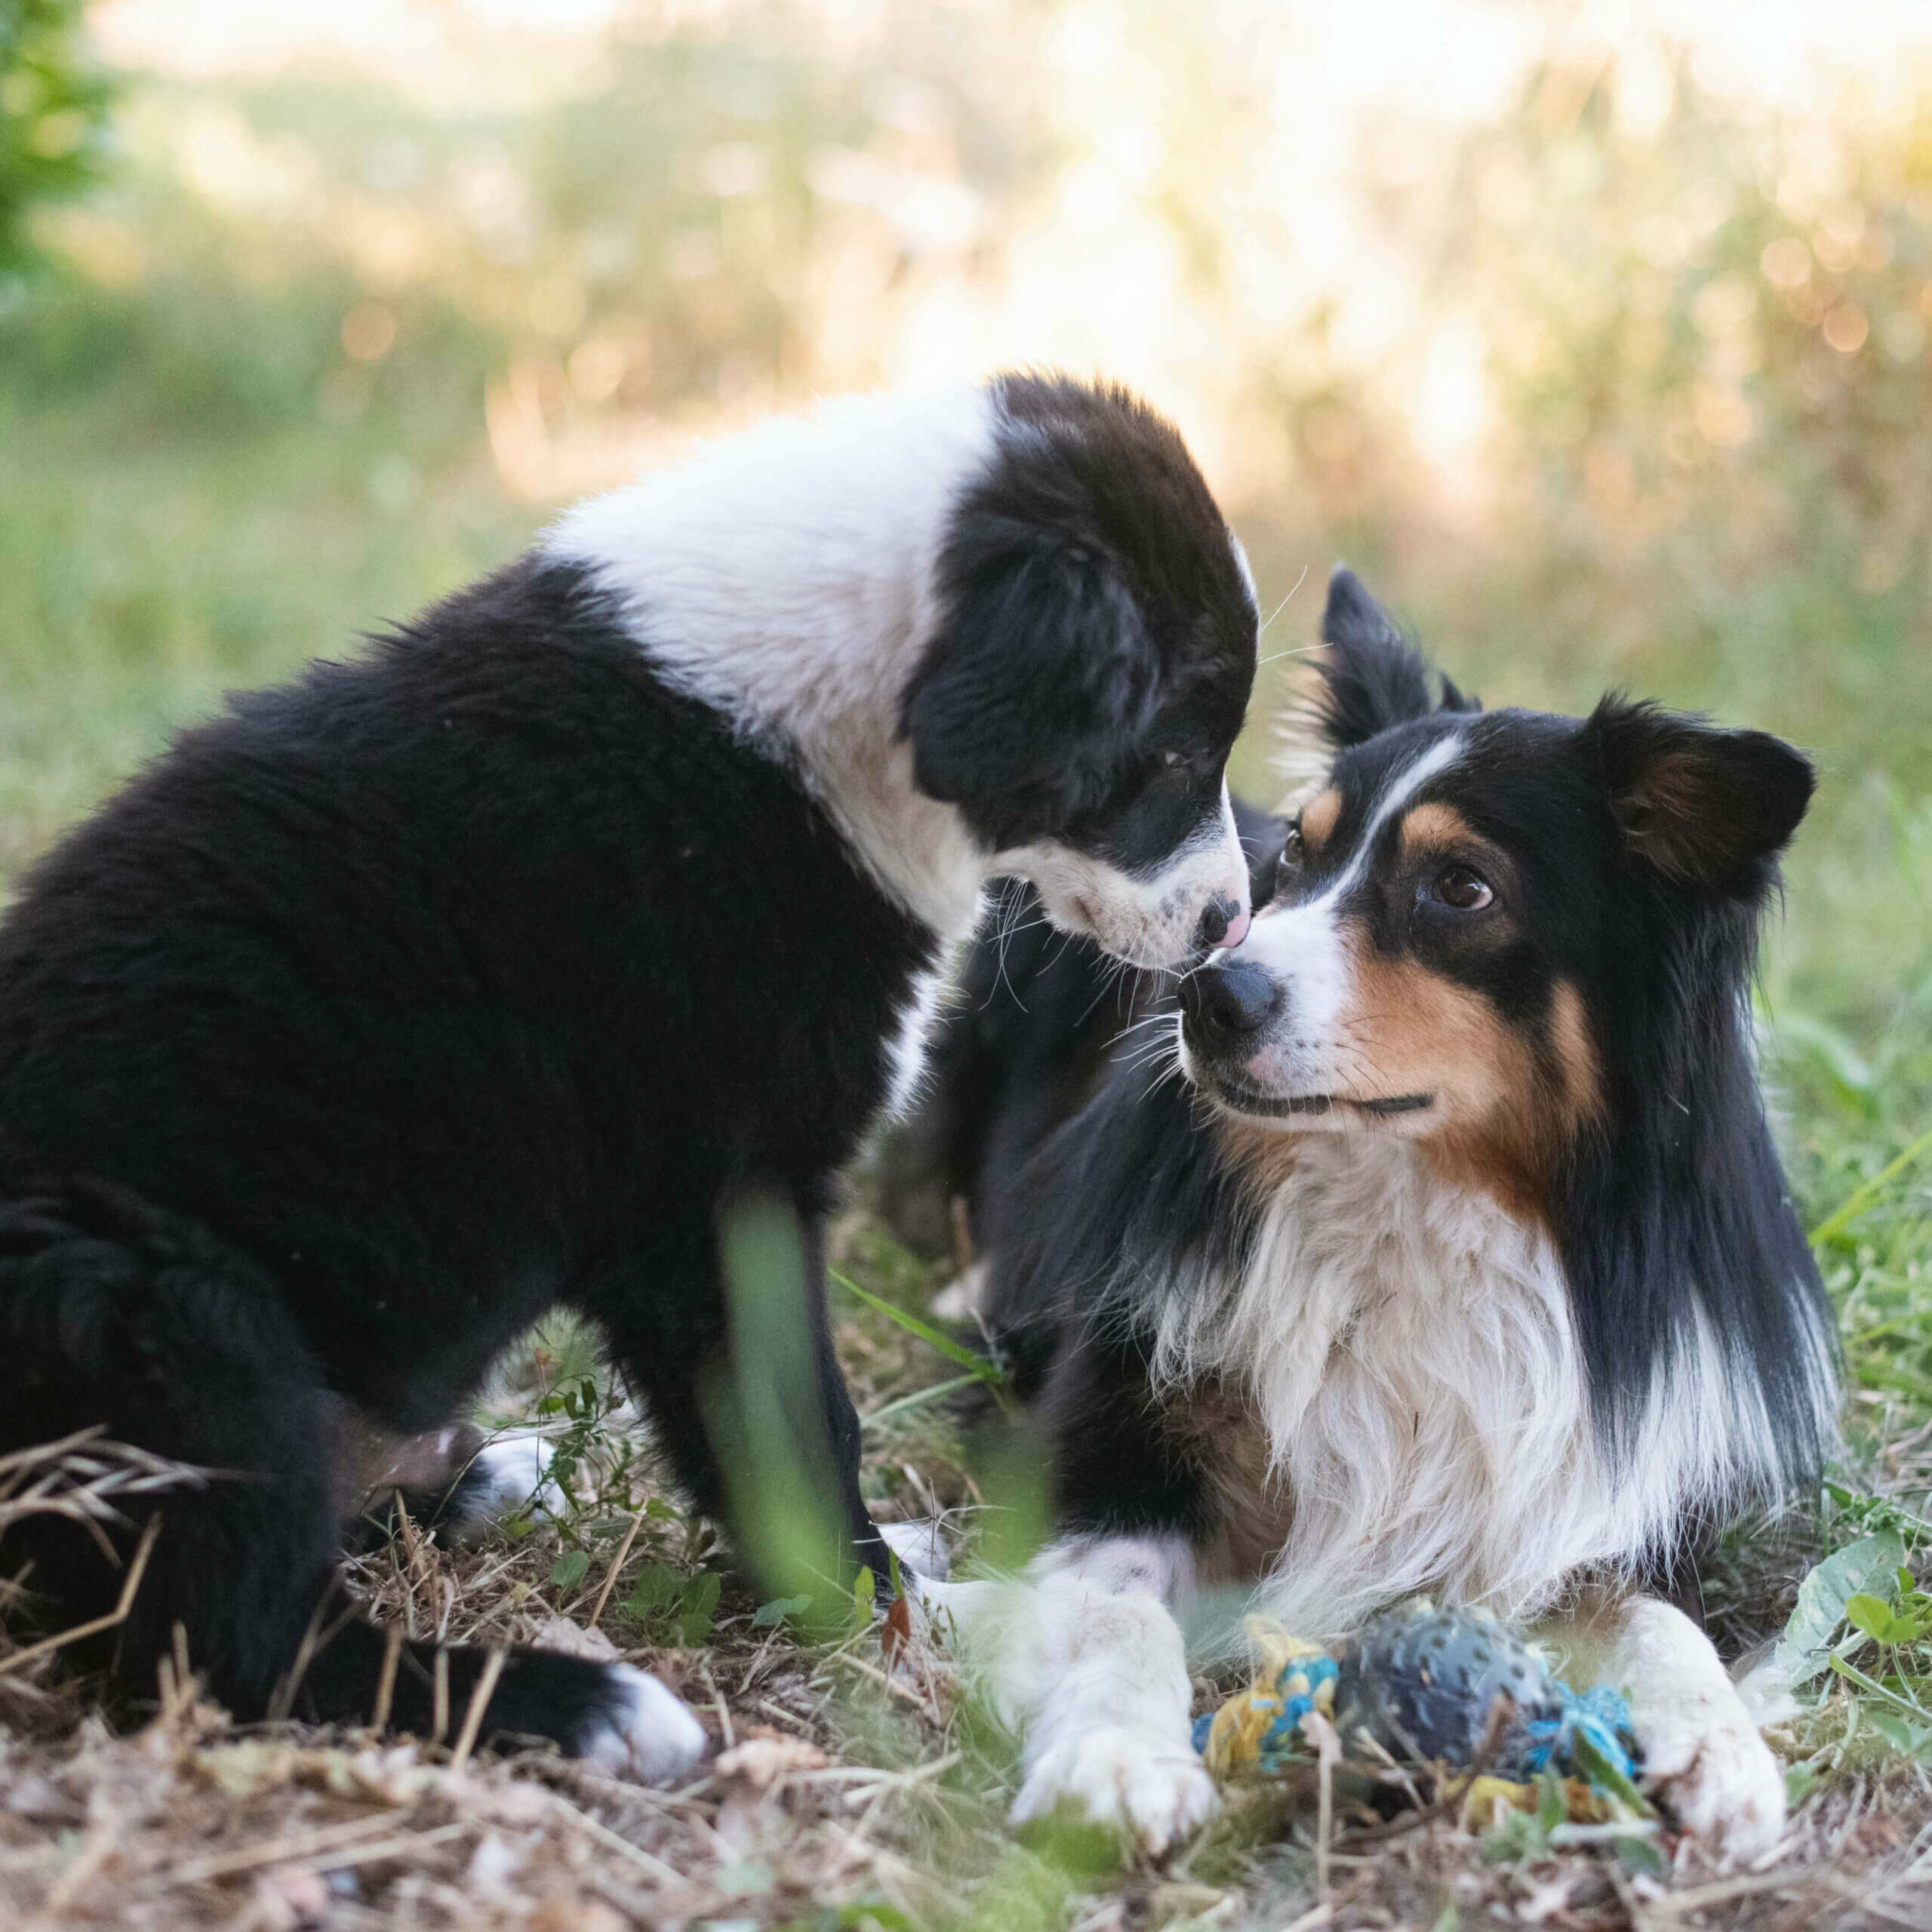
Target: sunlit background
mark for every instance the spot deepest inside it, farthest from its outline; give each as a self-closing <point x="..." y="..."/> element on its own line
<point x="1596" y="335"/>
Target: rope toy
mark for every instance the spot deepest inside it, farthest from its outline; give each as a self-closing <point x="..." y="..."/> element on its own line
<point x="1445" y="1688"/>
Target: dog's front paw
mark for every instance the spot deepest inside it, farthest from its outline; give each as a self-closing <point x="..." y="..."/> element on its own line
<point x="1718" y="1776"/>
<point x="1153" y="1792"/>
<point x="640" y="1729"/>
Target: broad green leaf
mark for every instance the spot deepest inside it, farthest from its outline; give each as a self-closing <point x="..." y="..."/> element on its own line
<point x="657" y="1587"/>
<point x="1830" y="1586"/>
<point x="1901" y="1732"/>
<point x="1642" y="1856"/>
<point x="700" y="1603"/>
<point x="570" y="1568"/>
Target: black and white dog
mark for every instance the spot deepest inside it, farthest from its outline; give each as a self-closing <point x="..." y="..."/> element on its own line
<point x="1456" y="1258"/>
<point x="472" y="975"/>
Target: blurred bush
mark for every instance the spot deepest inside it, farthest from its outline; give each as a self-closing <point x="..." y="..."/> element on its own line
<point x="53" y="116"/>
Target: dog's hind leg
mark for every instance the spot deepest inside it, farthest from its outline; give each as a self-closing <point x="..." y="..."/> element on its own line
<point x="113" y="1314"/>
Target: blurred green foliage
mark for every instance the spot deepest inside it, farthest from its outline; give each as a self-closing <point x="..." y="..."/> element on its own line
<point x="53" y="116"/>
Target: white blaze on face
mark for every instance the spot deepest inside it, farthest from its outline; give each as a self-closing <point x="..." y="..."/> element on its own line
<point x="1308" y="953"/>
<point x="1150" y="922"/>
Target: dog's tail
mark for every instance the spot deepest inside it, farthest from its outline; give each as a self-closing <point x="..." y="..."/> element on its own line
<point x="114" y="1315"/>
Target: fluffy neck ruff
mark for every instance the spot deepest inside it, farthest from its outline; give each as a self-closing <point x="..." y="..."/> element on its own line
<point x="787" y="578"/>
<point x="1410" y="1358"/>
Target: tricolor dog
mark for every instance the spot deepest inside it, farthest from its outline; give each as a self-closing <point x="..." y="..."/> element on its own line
<point x="1449" y="1252"/>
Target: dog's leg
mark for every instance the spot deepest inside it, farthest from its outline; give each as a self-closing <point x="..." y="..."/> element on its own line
<point x="613" y="1713"/>
<point x="1084" y="1659"/>
<point x="920" y="1546"/>
<point x="839" y="1420"/>
<point x="1699" y="1745"/>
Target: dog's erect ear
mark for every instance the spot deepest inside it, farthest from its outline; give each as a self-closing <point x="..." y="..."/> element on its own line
<point x="1372" y="677"/>
<point x="1032" y="694"/>
<point x="1704" y="807"/>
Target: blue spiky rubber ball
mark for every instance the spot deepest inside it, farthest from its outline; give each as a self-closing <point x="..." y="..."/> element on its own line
<point x="1427" y="1684"/>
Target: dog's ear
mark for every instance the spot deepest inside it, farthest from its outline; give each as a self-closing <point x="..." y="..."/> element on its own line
<point x="1702" y="806"/>
<point x="1372" y="677"/>
<point x="1036" y="689"/>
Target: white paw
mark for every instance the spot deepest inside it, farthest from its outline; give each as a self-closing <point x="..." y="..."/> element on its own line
<point x="919" y="1546"/>
<point x="1718" y="1775"/>
<point x="643" y="1731"/>
<point x="1153" y="1791"/>
<point x="510" y="1476"/>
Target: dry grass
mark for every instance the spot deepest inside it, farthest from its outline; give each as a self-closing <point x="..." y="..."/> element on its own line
<point x="849" y="1787"/>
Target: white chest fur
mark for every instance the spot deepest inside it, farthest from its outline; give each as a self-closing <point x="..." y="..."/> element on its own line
<point x="1407" y="1349"/>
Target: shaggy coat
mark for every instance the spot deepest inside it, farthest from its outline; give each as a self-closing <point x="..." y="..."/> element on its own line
<point x="484" y="971"/>
<point x="1431" y="1239"/>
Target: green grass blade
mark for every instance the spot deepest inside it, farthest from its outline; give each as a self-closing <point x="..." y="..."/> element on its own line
<point x="918" y="1399"/>
<point x="1867" y="1196"/>
<point x="1873" y="1688"/>
<point x="977" y="1366"/>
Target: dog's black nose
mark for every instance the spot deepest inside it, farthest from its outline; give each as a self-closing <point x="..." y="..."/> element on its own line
<point x="1220" y="917"/>
<point x="1224" y="1006"/>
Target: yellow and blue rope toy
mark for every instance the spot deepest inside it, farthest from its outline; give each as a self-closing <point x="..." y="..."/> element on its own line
<point x="1426" y="1685"/>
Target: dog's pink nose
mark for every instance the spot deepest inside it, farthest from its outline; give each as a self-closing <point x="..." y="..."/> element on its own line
<point x="1223" y="922"/>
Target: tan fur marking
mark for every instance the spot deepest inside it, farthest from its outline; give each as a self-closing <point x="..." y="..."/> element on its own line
<point x="1431" y="825"/>
<point x="1500" y="1118"/>
<point x="1318" y="816"/>
<point x="1656" y="813"/>
<point x="1576" y="1055"/>
<point x="1506" y="1105"/>
<point x="1253" y="1511"/>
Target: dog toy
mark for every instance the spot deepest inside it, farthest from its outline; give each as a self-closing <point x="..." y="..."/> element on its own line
<point x="1451" y="1687"/>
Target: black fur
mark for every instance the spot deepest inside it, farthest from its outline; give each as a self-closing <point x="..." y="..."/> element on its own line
<point x="1094" y="535"/>
<point x="1644" y="848"/>
<point x="1033" y="1020"/>
<point x="1371" y="676"/>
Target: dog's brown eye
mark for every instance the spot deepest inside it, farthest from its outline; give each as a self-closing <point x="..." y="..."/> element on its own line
<point x="1465" y="890"/>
